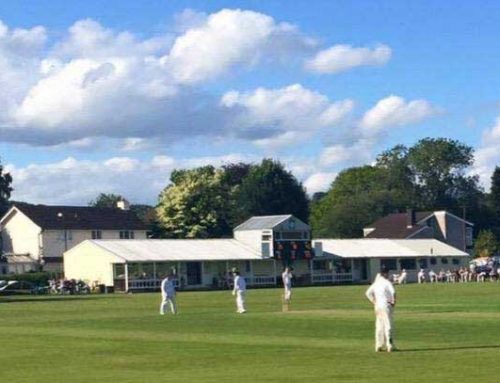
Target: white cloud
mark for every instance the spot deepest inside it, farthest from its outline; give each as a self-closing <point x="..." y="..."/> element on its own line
<point x="229" y="38"/>
<point x="487" y="155"/>
<point x="394" y="111"/>
<point x="319" y="182"/>
<point x="353" y="154"/>
<point x="76" y="182"/>
<point x="340" y="58"/>
<point x="275" y="117"/>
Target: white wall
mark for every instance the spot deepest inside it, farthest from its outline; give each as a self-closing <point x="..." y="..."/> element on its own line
<point x="252" y="238"/>
<point x="20" y="235"/>
<point x="90" y="263"/>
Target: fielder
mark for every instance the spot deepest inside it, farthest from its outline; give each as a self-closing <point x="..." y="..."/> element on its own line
<point x="239" y="290"/>
<point x="383" y="297"/>
<point x="287" y="284"/>
<point x="168" y="295"/>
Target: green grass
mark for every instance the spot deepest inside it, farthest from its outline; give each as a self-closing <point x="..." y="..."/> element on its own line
<point x="446" y="333"/>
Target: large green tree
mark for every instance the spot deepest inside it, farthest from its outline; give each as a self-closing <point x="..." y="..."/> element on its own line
<point x="357" y="197"/>
<point x="270" y="189"/>
<point x="196" y="204"/>
<point x="5" y="190"/>
<point x="486" y="244"/>
<point x="432" y="174"/>
<point x="439" y="168"/>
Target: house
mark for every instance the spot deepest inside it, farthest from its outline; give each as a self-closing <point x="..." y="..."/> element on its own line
<point x="441" y="225"/>
<point x="43" y="233"/>
<point x="260" y="249"/>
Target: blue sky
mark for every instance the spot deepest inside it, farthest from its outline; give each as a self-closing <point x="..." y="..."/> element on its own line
<point x="110" y="96"/>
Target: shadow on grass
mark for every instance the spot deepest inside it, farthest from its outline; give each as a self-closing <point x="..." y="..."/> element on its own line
<point x="450" y="348"/>
<point x="41" y="298"/>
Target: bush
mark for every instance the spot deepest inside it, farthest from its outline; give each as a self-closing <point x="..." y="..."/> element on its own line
<point x="39" y="278"/>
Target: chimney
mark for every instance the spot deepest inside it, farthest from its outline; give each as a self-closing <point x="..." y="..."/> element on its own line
<point x="411" y="218"/>
<point x="123" y="204"/>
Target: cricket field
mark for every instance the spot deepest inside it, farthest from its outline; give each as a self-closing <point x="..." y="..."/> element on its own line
<point x="444" y="333"/>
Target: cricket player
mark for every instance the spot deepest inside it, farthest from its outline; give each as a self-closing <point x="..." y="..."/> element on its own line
<point x="287" y="284"/>
<point x="383" y="297"/>
<point x="168" y="295"/>
<point x="239" y="290"/>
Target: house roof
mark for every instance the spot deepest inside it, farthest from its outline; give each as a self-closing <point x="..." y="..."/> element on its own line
<point x="174" y="250"/>
<point x="387" y="248"/>
<point x="262" y="222"/>
<point x="80" y="217"/>
<point x="395" y="225"/>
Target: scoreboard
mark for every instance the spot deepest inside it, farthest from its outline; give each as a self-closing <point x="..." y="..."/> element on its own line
<point x="290" y="251"/>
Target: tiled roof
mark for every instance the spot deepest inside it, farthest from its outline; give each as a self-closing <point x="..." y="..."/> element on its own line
<point x="262" y="222"/>
<point x="395" y="226"/>
<point x="81" y="217"/>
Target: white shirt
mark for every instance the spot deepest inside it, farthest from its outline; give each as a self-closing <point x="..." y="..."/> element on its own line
<point x="168" y="287"/>
<point x="381" y="293"/>
<point x="239" y="283"/>
<point x="287" y="279"/>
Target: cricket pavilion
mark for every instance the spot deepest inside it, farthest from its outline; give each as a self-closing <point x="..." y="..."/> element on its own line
<point x="260" y="248"/>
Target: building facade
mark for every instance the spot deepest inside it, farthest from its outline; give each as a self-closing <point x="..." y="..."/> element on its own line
<point x="44" y="233"/>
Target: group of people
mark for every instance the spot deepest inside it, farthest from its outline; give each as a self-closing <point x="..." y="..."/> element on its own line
<point x="462" y="274"/>
<point x="68" y="286"/>
<point x="168" y="292"/>
<point x="381" y="294"/>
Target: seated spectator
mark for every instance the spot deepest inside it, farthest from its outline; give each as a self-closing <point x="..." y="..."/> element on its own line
<point x="433" y="276"/>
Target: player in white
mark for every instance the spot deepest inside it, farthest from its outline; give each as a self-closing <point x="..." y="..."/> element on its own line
<point x="383" y="297"/>
<point x="239" y="289"/>
<point x="168" y="295"/>
<point x="287" y="284"/>
<point x="421" y="276"/>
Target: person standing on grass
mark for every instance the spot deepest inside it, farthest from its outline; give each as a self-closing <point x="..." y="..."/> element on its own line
<point x="168" y="295"/>
<point x="383" y="297"/>
<point x="239" y="290"/>
<point x="287" y="284"/>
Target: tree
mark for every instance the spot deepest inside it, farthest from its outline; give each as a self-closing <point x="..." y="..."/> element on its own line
<point x="439" y="166"/>
<point x="269" y="189"/>
<point x="195" y="204"/>
<point x="149" y="216"/>
<point x="494" y="197"/>
<point x="5" y="190"/>
<point x="106" y="200"/>
<point x="486" y="244"/>
<point x="357" y="197"/>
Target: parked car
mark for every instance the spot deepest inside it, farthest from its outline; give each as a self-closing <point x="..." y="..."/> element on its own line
<point x="20" y="287"/>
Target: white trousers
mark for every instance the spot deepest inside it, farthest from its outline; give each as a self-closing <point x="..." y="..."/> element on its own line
<point x="383" y="328"/>
<point x="288" y="293"/>
<point x="167" y="302"/>
<point x="240" y="301"/>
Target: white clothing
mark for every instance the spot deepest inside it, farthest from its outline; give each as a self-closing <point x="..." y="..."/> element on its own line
<point x="287" y="284"/>
<point x="168" y="296"/>
<point x="421" y="276"/>
<point x="240" y="288"/>
<point x="402" y="278"/>
<point x="383" y="296"/>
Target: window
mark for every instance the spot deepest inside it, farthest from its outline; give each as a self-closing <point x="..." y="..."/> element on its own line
<point x="422" y="263"/>
<point x="96" y="234"/>
<point x="444" y="261"/>
<point x="266" y="249"/>
<point x="455" y="261"/>
<point x="248" y="266"/>
<point x="389" y="263"/>
<point x="433" y="261"/>
<point x="408" y="263"/>
<point x="322" y="265"/>
<point x="126" y="234"/>
<point x="266" y="237"/>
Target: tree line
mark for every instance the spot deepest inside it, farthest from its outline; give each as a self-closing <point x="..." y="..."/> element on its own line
<point x="433" y="174"/>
